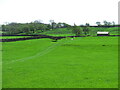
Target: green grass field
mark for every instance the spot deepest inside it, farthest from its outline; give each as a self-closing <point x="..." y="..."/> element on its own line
<point x="0" y="65"/>
<point x="11" y="37"/>
<point x="0" y="31"/>
<point x="86" y="62"/>
<point x="68" y="31"/>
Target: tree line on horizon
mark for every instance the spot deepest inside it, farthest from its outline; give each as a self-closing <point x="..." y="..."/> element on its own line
<point x="32" y="27"/>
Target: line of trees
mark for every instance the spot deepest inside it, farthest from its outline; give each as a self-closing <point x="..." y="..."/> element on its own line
<point x="38" y="26"/>
<point x="80" y="31"/>
<point x="105" y="23"/>
<point x="31" y="28"/>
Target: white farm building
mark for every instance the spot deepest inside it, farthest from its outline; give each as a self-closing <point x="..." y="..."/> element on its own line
<point x="100" y="33"/>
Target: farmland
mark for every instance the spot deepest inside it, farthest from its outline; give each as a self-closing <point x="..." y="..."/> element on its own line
<point x="11" y="37"/>
<point x="86" y="62"/>
<point x="47" y="44"/>
<point x="93" y="30"/>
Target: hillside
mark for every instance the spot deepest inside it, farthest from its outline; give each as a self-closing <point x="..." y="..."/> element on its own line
<point x="68" y="31"/>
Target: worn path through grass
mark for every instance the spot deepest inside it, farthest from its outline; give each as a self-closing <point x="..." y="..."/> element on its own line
<point x="86" y="62"/>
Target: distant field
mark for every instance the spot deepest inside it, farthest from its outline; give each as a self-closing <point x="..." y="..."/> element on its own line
<point x="60" y="34"/>
<point x="10" y="37"/>
<point x="86" y="62"/>
<point x="93" y="30"/>
<point x="0" y="31"/>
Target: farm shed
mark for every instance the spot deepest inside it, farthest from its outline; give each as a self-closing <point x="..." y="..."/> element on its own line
<point x="103" y="33"/>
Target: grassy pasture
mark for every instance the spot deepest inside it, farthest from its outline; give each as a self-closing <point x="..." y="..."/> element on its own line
<point x="68" y="31"/>
<point x="0" y="31"/>
<point x="86" y="62"/>
<point x="61" y="34"/>
<point x="11" y="37"/>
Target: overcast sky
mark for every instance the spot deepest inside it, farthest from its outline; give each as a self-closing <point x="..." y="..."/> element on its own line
<point x="69" y="11"/>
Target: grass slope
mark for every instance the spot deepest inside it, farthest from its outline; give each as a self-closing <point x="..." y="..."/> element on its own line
<point x="80" y="63"/>
<point x="10" y="37"/>
<point x="68" y="32"/>
<point x="112" y="30"/>
<point x="59" y="32"/>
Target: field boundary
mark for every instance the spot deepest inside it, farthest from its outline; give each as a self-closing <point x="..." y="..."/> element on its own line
<point x="39" y="37"/>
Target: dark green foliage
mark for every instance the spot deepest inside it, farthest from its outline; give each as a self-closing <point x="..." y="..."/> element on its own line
<point x="98" y="23"/>
<point x="77" y="30"/>
<point x="26" y="30"/>
<point x="87" y="24"/>
<point x="86" y="30"/>
<point x="31" y="28"/>
<point x="16" y="28"/>
<point x="106" y="23"/>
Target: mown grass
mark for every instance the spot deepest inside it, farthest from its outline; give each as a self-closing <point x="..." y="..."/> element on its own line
<point x="86" y="62"/>
<point x="10" y="37"/>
